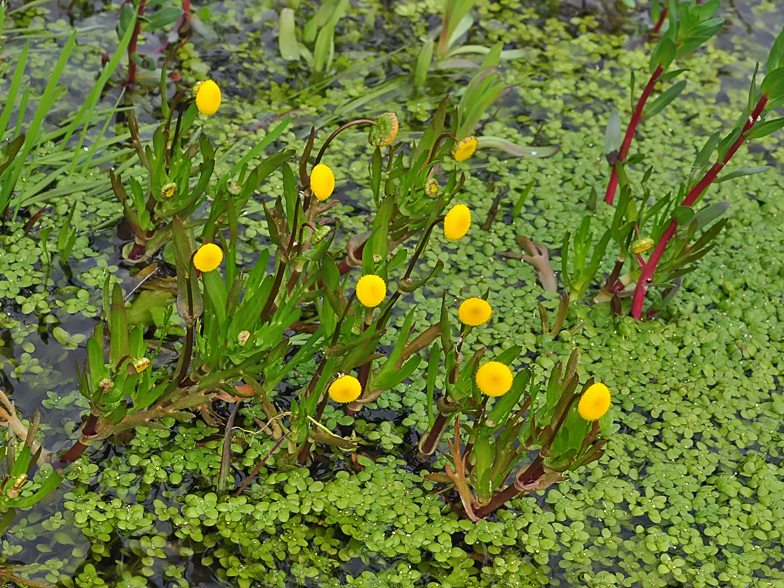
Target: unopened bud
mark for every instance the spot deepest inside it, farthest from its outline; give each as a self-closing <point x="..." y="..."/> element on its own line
<point x="20" y="481"/>
<point x="243" y="337"/>
<point x="376" y="258"/>
<point x="234" y="188"/>
<point x="432" y="187"/>
<point x="384" y="131"/>
<point x="355" y="330"/>
<point x="320" y="233"/>
<point x="169" y="190"/>
<point x="12" y="493"/>
<point x="642" y="245"/>
<point x="105" y="385"/>
<point x="141" y="364"/>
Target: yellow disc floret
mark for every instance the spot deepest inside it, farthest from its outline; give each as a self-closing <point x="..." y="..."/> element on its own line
<point x="208" y="257"/>
<point x="322" y="181"/>
<point x="345" y="389"/>
<point x="208" y="97"/>
<point x="494" y="378"/>
<point x="371" y="290"/>
<point x="474" y="312"/>
<point x="464" y="149"/>
<point x="595" y="402"/>
<point x="457" y="222"/>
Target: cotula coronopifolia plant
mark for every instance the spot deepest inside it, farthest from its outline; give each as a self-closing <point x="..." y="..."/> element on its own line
<point x="247" y="331"/>
<point x="180" y="161"/>
<point x="559" y="421"/>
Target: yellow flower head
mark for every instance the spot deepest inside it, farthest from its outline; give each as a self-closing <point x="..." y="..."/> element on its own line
<point x="457" y="222"/>
<point x="208" y="257"/>
<point x="322" y="181"/>
<point x="208" y="97"/>
<point x="494" y="378"/>
<point x="464" y="148"/>
<point x="595" y="402"/>
<point x="345" y="389"/>
<point x="474" y="312"/>
<point x="371" y="290"/>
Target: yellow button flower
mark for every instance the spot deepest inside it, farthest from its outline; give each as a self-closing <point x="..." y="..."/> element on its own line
<point x="474" y="312"/>
<point x="345" y="389"/>
<point x="208" y="97"/>
<point x="494" y="378"/>
<point x="371" y="290"/>
<point x="322" y="181"/>
<point x="457" y="222"/>
<point x="595" y="402"/>
<point x="464" y="149"/>
<point x="208" y="257"/>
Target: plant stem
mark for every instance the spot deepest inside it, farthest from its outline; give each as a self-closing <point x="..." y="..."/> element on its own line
<point x="627" y="140"/>
<point x="360" y="121"/>
<point x="137" y="29"/>
<point x="88" y="430"/>
<point x="661" y="20"/>
<point x="646" y="275"/>
<point x="532" y="473"/>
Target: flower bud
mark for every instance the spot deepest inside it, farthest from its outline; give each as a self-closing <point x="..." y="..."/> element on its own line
<point x="432" y="187"/>
<point x="242" y="338"/>
<point x="105" y="385"/>
<point x="384" y="131"/>
<point x="642" y="245"/>
<point x="141" y="364"/>
<point x="169" y="190"/>
<point x="20" y="481"/>
<point x="234" y="188"/>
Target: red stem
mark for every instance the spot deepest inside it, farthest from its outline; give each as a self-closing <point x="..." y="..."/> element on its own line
<point x="137" y="29"/>
<point x="78" y="448"/>
<point x="661" y="20"/>
<point x="646" y="275"/>
<point x="627" y="140"/>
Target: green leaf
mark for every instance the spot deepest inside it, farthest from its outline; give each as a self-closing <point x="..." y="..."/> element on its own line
<point x="773" y="84"/>
<point x="287" y="36"/>
<point x="423" y="62"/>
<point x="323" y="47"/>
<point x="776" y="55"/>
<point x="118" y="328"/>
<point x="683" y="215"/>
<point x="663" y="54"/>
<point x="612" y="134"/>
<point x="766" y="128"/>
<point x="521" y="200"/>
<point x="663" y="100"/>
<point x="744" y="171"/>
<point x="163" y="17"/>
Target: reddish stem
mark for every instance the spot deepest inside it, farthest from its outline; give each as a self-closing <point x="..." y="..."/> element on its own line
<point x="661" y="20"/>
<point x="627" y="140"/>
<point x="646" y="275"/>
<point x="137" y="29"/>
<point x="78" y="448"/>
